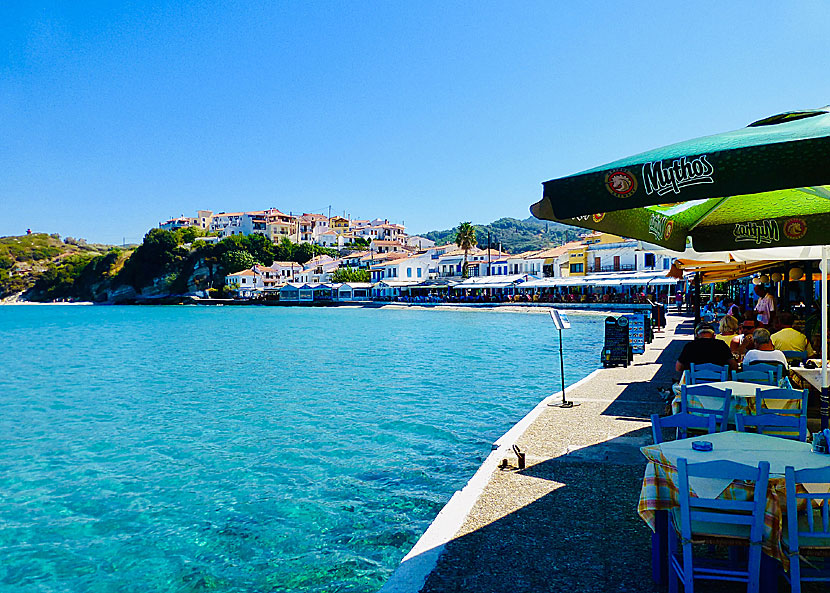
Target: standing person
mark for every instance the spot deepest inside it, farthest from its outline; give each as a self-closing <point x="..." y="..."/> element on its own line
<point x="678" y="300"/>
<point x="765" y="305"/>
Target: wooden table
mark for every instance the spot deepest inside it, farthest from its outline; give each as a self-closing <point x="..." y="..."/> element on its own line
<point x="658" y="494"/>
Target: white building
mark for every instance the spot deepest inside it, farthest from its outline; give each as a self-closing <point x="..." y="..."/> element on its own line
<point x="245" y="283"/>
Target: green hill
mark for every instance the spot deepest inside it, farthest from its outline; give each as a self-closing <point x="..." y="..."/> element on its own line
<point x="25" y="258"/>
<point x="515" y="236"/>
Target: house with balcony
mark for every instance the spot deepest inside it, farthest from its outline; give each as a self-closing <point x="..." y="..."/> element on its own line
<point x="339" y="224"/>
<point x="245" y="283"/>
<point x="284" y="271"/>
<point x="310" y="226"/>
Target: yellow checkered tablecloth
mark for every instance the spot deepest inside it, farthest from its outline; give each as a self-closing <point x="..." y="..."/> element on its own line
<point x="743" y="399"/>
<point x="659" y="488"/>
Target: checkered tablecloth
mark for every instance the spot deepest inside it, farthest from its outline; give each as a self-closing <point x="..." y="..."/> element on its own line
<point x="743" y="399"/>
<point x="659" y="489"/>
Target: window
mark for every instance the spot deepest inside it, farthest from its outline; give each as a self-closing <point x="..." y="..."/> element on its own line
<point x="666" y="263"/>
<point x="409" y="272"/>
<point x="576" y="268"/>
<point x="648" y="260"/>
<point x="419" y="272"/>
<point x="616" y="263"/>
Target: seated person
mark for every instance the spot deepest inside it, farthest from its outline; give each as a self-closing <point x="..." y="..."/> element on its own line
<point x="742" y="343"/>
<point x="728" y="329"/>
<point x="764" y="350"/>
<point x="705" y="349"/>
<point x="788" y="338"/>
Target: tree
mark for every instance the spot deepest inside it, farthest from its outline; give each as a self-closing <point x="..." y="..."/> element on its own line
<point x="351" y="275"/>
<point x="237" y="260"/>
<point x="466" y="239"/>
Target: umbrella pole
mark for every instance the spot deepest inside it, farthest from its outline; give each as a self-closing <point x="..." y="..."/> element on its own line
<point x="825" y="387"/>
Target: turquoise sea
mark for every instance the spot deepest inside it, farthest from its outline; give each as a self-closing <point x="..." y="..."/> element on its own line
<point x="249" y="448"/>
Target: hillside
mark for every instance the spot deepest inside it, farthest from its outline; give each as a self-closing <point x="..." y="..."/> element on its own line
<point x="515" y="236"/>
<point x="23" y="259"/>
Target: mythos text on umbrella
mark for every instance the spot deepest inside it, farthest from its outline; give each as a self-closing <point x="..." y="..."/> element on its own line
<point x="663" y="178"/>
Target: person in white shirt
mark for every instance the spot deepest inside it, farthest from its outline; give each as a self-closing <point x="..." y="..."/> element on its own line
<point x="764" y="350"/>
<point x="765" y="305"/>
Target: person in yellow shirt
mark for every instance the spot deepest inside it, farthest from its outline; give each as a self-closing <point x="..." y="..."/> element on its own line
<point x="788" y="338"/>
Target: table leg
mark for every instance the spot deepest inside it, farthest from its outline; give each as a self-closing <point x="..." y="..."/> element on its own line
<point x="659" y="548"/>
<point x="770" y="569"/>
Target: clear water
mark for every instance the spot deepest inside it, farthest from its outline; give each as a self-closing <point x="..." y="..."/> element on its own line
<point x="250" y="449"/>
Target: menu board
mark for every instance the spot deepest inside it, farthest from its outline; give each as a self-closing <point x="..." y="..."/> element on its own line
<point x="637" y="332"/>
<point x="616" y="349"/>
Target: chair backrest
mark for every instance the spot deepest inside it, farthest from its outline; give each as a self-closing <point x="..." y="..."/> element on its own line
<point x="701" y="510"/>
<point x="787" y="427"/>
<point x="815" y="522"/>
<point x="763" y="395"/>
<point x="682" y="422"/>
<point x="720" y="412"/>
<point x="763" y="377"/>
<point x="795" y="355"/>
<point x="707" y="373"/>
<point x="778" y="369"/>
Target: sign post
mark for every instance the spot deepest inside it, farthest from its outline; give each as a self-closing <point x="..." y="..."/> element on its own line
<point x="561" y="321"/>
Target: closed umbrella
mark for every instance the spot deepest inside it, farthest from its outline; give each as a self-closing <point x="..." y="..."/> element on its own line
<point x="766" y="185"/>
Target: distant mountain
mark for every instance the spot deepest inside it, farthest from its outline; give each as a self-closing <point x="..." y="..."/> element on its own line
<point x="515" y="236"/>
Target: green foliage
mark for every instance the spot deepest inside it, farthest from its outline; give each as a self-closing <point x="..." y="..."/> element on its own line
<point x="152" y="258"/>
<point x="75" y="277"/>
<point x="24" y="258"/>
<point x="351" y="275"/>
<point x="237" y="260"/>
<point x="514" y="236"/>
<point x="465" y="239"/>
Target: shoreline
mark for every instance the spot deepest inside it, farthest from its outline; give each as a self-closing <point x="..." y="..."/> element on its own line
<point x="529" y="308"/>
<point x="471" y="544"/>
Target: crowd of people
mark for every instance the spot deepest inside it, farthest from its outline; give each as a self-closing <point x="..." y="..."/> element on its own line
<point x="747" y="337"/>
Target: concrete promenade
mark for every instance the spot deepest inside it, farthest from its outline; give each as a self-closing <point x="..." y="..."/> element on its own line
<point x="568" y="522"/>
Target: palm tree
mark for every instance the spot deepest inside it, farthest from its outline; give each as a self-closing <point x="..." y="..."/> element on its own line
<point x="465" y="239"/>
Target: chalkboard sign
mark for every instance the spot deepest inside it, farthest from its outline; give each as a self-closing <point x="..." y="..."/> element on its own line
<point x="637" y="333"/>
<point x="616" y="349"/>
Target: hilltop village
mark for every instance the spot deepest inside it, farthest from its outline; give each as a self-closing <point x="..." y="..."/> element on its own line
<point x="378" y="260"/>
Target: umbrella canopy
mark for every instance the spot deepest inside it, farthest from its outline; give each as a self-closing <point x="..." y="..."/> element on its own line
<point x="766" y="185"/>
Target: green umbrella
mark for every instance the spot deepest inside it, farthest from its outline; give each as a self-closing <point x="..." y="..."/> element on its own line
<point x="766" y="185"/>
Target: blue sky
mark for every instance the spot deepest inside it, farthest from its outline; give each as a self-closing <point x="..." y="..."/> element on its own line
<point x="113" y="118"/>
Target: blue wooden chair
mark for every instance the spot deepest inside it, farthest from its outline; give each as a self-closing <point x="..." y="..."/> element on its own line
<point x="707" y="373"/>
<point x="762" y="377"/>
<point x="763" y="395"/>
<point x="787" y="427"/>
<point x="682" y="422"/>
<point x="807" y="531"/>
<point x="721" y="412"/>
<point x="716" y="521"/>
<point x="777" y="369"/>
<point x="797" y="356"/>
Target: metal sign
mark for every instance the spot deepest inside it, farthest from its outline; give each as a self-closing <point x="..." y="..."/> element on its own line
<point x="560" y="319"/>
